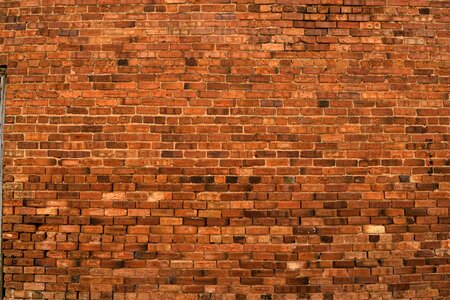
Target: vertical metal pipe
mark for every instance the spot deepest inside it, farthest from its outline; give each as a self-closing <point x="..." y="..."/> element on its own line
<point x="2" y="125"/>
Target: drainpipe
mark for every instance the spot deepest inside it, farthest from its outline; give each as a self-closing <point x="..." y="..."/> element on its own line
<point x="2" y="125"/>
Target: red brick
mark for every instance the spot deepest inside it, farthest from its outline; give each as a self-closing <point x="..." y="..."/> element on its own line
<point x="186" y="150"/>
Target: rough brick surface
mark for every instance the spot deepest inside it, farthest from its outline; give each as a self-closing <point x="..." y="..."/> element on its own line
<point x="253" y="149"/>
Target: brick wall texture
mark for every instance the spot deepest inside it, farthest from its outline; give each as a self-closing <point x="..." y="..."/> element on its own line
<point x="226" y="149"/>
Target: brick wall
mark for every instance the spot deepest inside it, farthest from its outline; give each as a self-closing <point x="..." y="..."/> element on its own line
<point x="226" y="149"/>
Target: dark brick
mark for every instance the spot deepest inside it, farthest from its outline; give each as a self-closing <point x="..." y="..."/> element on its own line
<point x="122" y="62"/>
<point x="254" y="179"/>
<point x="231" y="179"/>
<point x="326" y="239"/>
<point x="323" y="103"/>
<point x="191" y="61"/>
<point x="374" y="238"/>
<point x="404" y="178"/>
<point x="427" y="186"/>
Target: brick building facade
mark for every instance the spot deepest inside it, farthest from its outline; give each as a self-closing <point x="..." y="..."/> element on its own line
<point x="222" y="149"/>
